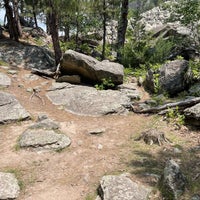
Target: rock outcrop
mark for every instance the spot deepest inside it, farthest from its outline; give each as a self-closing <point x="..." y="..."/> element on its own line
<point x="172" y="78"/>
<point x="121" y="187"/>
<point x="28" y="56"/>
<point x="173" y="182"/>
<point x="175" y="77"/>
<point x="192" y="115"/>
<point x="11" y="109"/>
<point x="44" y="135"/>
<point x="84" y="100"/>
<point x="90" y="69"/>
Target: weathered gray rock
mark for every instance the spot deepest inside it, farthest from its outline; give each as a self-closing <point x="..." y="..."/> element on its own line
<point x="173" y="182"/>
<point x="47" y="124"/>
<point x="28" y="56"/>
<point x="73" y="79"/>
<point x="90" y="69"/>
<point x="175" y="76"/>
<point x="11" y="109"/>
<point x="84" y="100"/>
<point x="44" y="135"/>
<point x="149" y="81"/>
<point x="43" y="139"/>
<point x="192" y="115"/>
<point x="130" y="90"/>
<point x="4" y="80"/>
<point x="60" y="86"/>
<point x="195" y="90"/>
<point x="9" y="187"/>
<point x="121" y="187"/>
<point x="196" y="197"/>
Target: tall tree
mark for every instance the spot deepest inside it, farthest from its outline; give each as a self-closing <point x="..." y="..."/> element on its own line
<point x="122" y="26"/>
<point x="13" y="19"/>
<point x="105" y="8"/>
<point x="52" y="13"/>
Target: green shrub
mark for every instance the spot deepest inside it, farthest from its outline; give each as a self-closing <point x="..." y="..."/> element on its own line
<point x="106" y="84"/>
<point x="175" y="117"/>
<point x="195" y="67"/>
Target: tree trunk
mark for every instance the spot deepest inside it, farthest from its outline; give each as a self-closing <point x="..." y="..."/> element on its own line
<point x="34" y="13"/>
<point x="16" y="17"/>
<point x="53" y="26"/>
<point x="122" y="26"/>
<point x="14" y="34"/>
<point x="104" y="30"/>
<point x="66" y="31"/>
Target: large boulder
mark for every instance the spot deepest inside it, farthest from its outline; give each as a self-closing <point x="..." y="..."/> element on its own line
<point x="173" y="181"/>
<point x="174" y="77"/>
<point x="27" y="56"/>
<point x="11" y="109"/>
<point x="84" y="100"/>
<point x="90" y="69"/>
<point x="195" y="90"/>
<point x="121" y="187"/>
<point x="192" y="115"/>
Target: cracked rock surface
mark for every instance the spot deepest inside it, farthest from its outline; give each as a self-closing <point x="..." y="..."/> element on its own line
<point x="11" y="109"/>
<point x="9" y="188"/>
<point x="44" y="135"/>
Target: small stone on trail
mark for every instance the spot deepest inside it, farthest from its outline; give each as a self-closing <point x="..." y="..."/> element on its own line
<point x="97" y="131"/>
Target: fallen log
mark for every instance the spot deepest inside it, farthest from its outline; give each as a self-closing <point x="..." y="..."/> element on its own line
<point x="180" y="104"/>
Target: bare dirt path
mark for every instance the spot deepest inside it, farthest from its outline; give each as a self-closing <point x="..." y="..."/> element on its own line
<point x="75" y="172"/>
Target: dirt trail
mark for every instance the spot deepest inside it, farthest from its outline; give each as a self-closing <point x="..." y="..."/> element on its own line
<point x="74" y="173"/>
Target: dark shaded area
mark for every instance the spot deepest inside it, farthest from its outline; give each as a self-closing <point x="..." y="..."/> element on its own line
<point x="148" y="164"/>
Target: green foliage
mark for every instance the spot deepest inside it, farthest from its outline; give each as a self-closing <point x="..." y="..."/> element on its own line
<point x="142" y="49"/>
<point x="156" y="82"/>
<point x="67" y="45"/>
<point x="175" y="117"/>
<point x="160" y="51"/>
<point x="108" y="52"/>
<point x="106" y="83"/>
<point x="3" y="63"/>
<point x="195" y="66"/>
<point x="188" y="13"/>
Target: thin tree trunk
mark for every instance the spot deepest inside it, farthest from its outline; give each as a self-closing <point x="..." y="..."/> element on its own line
<point x="14" y="34"/>
<point x="122" y="26"/>
<point x="104" y="30"/>
<point x="53" y="26"/>
<point x="16" y="17"/>
<point x="66" y="31"/>
<point x="34" y="13"/>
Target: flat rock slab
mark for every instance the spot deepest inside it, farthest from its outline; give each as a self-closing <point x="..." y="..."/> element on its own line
<point x="121" y="187"/>
<point x="44" y="140"/>
<point x="11" y="109"/>
<point x="192" y="115"/>
<point x="4" y="80"/>
<point x="84" y="100"/>
<point x="47" y="124"/>
<point x="9" y="187"/>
